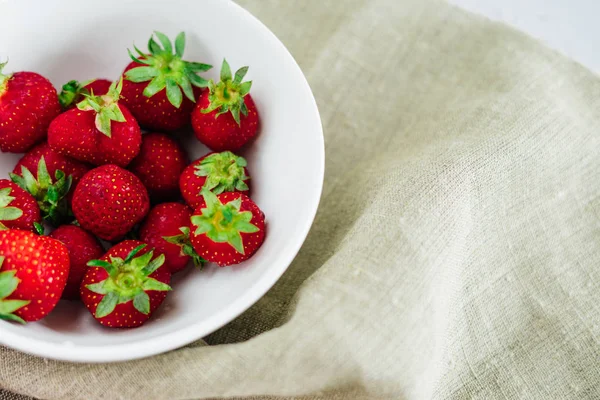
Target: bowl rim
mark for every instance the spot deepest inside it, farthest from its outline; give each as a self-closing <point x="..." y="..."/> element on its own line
<point x="158" y="344"/>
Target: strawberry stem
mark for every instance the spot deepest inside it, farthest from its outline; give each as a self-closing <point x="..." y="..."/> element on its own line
<point x="183" y="240"/>
<point x="228" y="95"/>
<point x="165" y="70"/>
<point x="223" y="223"/>
<point x="128" y="280"/>
<point x="50" y="193"/>
<point x="106" y="107"/>
<point x="224" y="172"/>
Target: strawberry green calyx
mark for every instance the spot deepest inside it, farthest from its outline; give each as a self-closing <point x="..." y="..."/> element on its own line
<point x="71" y="91"/>
<point x="165" y="69"/>
<point x="224" y="172"/>
<point x="8" y="284"/>
<point x="223" y="223"/>
<point x="228" y="95"/>
<point x="3" y="78"/>
<point x="8" y="213"/>
<point x="50" y="194"/>
<point x="106" y="107"/>
<point x="183" y="240"/>
<point x="128" y="280"/>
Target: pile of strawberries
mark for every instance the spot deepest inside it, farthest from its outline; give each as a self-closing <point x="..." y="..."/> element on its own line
<point x="110" y="196"/>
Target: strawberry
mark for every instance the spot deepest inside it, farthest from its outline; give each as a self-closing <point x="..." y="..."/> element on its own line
<point x="160" y="160"/>
<point x="28" y="103"/>
<point x="100" y="130"/>
<point x="227" y="228"/>
<point x="33" y="275"/>
<point x="54" y="162"/>
<point x="125" y="286"/>
<point x="225" y="117"/>
<point x="73" y="92"/>
<point x="18" y="209"/>
<point x="217" y="172"/>
<point x="154" y="83"/>
<point x="109" y="201"/>
<point x="50" y="194"/>
<point x="166" y="228"/>
<point x="82" y="247"/>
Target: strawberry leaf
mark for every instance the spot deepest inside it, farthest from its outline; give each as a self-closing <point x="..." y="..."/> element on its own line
<point x="107" y="305"/>
<point x="228" y="95"/>
<point x="223" y="223"/>
<point x="180" y="44"/>
<point x="141" y="302"/>
<point x="166" y="70"/>
<point x="8" y="284"/>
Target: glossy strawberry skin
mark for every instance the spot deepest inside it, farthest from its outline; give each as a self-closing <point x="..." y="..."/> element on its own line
<point x="26" y="203"/>
<point x="82" y="247"/>
<point x="124" y="315"/>
<point x="155" y="113"/>
<point x="191" y="184"/>
<point x="223" y="253"/>
<point x="220" y="133"/>
<point x="165" y="220"/>
<point x="27" y="107"/>
<point x="42" y="266"/>
<point x="74" y="134"/>
<point x="54" y="162"/>
<point x="160" y="161"/>
<point x="109" y="201"/>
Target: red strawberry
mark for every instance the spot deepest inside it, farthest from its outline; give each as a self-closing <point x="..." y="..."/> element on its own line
<point x="99" y="131"/>
<point x="109" y="201"/>
<point x="34" y="274"/>
<point x="161" y="159"/>
<point x="225" y="117"/>
<point x="82" y="247"/>
<point x="18" y="209"/>
<point x="217" y="172"/>
<point x="73" y="92"/>
<point x="167" y="230"/>
<point x="154" y="83"/>
<point x="28" y="103"/>
<point x="54" y="162"/>
<point x="227" y="229"/>
<point x="126" y="285"/>
<point x="50" y="193"/>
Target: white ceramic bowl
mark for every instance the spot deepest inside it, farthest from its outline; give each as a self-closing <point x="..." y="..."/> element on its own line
<point x="73" y="39"/>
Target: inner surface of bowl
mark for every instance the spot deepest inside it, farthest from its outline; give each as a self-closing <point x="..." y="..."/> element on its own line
<point x="85" y="40"/>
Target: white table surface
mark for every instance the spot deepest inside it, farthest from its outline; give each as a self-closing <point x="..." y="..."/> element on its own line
<point x="570" y="26"/>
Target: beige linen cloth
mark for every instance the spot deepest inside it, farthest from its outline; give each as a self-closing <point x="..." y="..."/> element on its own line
<point x="456" y="253"/>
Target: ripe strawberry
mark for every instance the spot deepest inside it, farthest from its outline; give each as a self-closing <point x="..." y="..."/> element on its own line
<point x="54" y="162"/>
<point x="18" y="209"/>
<point x="109" y="201"/>
<point x="216" y="119"/>
<point x="34" y="273"/>
<point x="100" y="131"/>
<point x="125" y="286"/>
<point x="154" y="82"/>
<point x="82" y="247"/>
<point x="73" y="92"/>
<point x="227" y="229"/>
<point x="160" y="160"/>
<point x="166" y="228"/>
<point x="217" y="172"/>
<point x="28" y="103"/>
<point x="51" y="195"/>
